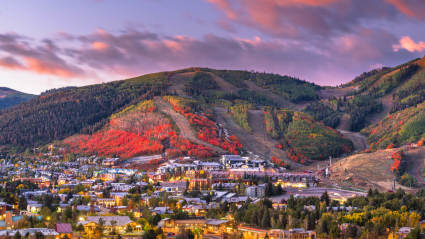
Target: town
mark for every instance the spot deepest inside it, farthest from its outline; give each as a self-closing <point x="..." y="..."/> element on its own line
<point x="67" y="196"/>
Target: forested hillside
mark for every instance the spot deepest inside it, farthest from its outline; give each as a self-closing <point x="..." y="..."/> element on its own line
<point x="372" y="96"/>
<point x="302" y="137"/>
<point x="402" y="92"/>
<point x="77" y="110"/>
<point x="58" y="114"/>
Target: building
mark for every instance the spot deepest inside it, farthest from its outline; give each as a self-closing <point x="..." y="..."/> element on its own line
<point x="257" y="233"/>
<point x="176" y="187"/>
<point x="208" y="226"/>
<point x="106" y="202"/>
<point x="256" y="191"/>
<point x="119" y="224"/>
<point x="10" y="220"/>
<point x="64" y="230"/>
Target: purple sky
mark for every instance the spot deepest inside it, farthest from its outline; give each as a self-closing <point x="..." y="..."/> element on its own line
<point x="49" y="43"/>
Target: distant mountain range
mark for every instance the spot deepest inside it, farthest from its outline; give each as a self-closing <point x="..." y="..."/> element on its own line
<point x="9" y="97"/>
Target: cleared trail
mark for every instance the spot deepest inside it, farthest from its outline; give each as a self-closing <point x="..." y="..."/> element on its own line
<point x="359" y="140"/>
<point x="186" y="130"/>
<point x="258" y="142"/>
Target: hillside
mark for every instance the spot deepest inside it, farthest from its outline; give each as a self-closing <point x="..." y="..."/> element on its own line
<point x="303" y="138"/>
<point x="384" y="104"/>
<point x="205" y="112"/>
<point x="399" y="128"/>
<point x="86" y="116"/>
<point x="401" y="90"/>
<point x="9" y="97"/>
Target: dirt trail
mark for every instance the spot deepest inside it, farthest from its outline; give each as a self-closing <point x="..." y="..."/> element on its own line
<point x="177" y="83"/>
<point x="387" y="103"/>
<point x="183" y="124"/>
<point x="359" y="140"/>
<point x="344" y="122"/>
<point x="257" y="142"/>
<point x="224" y="85"/>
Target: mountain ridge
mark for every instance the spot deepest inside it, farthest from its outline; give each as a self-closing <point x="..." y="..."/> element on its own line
<point x="10" y="97"/>
<point x="195" y="94"/>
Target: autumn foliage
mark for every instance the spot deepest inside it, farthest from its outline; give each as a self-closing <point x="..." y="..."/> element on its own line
<point x="400" y="128"/>
<point x="397" y="158"/>
<point x="207" y="130"/>
<point x="278" y="161"/>
<point x="303" y="138"/>
<point x="137" y="130"/>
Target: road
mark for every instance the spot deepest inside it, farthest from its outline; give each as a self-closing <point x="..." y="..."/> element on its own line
<point x="334" y="193"/>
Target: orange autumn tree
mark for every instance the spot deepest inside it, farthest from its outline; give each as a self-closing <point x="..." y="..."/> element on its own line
<point x="397" y="158"/>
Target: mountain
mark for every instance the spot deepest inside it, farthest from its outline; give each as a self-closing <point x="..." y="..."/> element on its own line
<point x="195" y="111"/>
<point x="9" y="97"/>
<point x="385" y="104"/>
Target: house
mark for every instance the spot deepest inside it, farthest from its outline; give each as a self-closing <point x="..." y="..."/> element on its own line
<point x="294" y="233"/>
<point x="5" y="207"/>
<point x="162" y="210"/>
<point x="10" y="220"/>
<point x="85" y="208"/>
<point x="119" y="224"/>
<point x="64" y="229"/>
<point x="177" y="187"/>
<point x="34" y="207"/>
<point x="208" y="226"/>
<point x="106" y="202"/>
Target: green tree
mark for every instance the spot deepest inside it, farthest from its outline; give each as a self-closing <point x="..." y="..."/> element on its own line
<point x="325" y="198"/>
<point x="17" y="235"/>
<point x="22" y="203"/>
<point x="415" y="233"/>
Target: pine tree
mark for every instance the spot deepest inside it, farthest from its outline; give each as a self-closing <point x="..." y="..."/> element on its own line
<point x="325" y="198"/>
<point x="265" y="221"/>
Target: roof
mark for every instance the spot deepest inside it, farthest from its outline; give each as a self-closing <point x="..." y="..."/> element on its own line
<point x="31" y="231"/>
<point x="216" y="222"/>
<point x="63" y="228"/>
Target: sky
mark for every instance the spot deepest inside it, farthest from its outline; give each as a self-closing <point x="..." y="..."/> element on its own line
<point x="47" y="44"/>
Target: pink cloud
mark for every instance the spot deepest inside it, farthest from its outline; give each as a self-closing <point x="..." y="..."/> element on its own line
<point x="411" y="8"/>
<point x="100" y="46"/>
<point x="44" y="58"/>
<point x="314" y="18"/>
<point x="226" y="7"/>
<point x="410" y="45"/>
<point x="10" y="63"/>
<point x="48" y="68"/>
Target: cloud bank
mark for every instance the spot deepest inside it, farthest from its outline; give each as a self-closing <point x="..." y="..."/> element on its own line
<point x="324" y="41"/>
